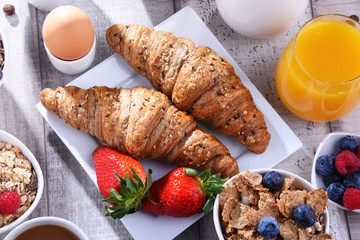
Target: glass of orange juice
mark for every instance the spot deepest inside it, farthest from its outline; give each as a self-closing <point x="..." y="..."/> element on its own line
<point x="318" y="75"/>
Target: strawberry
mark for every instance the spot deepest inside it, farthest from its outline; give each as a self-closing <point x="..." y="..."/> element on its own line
<point x="182" y="193"/>
<point x="120" y="175"/>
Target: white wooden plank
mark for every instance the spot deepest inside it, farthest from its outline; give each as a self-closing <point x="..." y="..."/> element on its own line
<point x="344" y="7"/>
<point x="354" y="223"/>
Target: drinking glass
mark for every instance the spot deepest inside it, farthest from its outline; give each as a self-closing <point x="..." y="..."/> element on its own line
<point x="318" y="75"/>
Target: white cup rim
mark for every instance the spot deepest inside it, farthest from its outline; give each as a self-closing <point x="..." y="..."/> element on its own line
<point x="46" y="221"/>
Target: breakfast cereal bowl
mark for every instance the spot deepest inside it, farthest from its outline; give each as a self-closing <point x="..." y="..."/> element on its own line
<point x="4" y="56"/>
<point x="329" y="146"/>
<point x="47" y="225"/>
<point x="299" y="184"/>
<point x="22" y="162"/>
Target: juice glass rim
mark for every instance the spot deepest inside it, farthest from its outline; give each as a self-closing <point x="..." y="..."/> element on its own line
<point x="357" y="25"/>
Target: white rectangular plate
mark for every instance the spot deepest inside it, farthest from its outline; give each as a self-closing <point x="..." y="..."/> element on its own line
<point x="115" y="72"/>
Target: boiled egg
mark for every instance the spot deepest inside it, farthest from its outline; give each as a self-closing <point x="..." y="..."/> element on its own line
<point x="68" y="33"/>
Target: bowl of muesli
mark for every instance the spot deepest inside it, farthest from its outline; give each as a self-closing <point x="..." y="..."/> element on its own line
<point x="21" y="183"/>
<point x="270" y="204"/>
<point x="3" y="55"/>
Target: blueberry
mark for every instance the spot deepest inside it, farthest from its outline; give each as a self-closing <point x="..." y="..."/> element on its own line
<point x="336" y="153"/>
<point x="305" y="215"/>
<point x="334" y="178"/>
<point x="335" y="191"/>
<point x="348" y="143"/>
<point x="357" y="172"/>
<point x="273" y="180"/>
<point x="325" y="165"/>
<point x="268" y="227"/>
<point x="352" y="181"/>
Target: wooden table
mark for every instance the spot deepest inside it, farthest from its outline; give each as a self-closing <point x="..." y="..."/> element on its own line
<point x="69" y="192"/>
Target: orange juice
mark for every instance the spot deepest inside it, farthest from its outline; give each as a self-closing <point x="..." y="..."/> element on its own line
<point x="317" y="77"/>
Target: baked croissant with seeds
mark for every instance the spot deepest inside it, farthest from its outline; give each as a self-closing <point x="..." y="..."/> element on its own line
<point x="141" y="123"/>
<point x="195" y="78"/>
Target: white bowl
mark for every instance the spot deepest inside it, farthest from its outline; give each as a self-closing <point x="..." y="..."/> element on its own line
<point x="328" y="146"/>
<point x="6" y="54"/>
<point x="76" y="66"/>
<point x="299" y="183"/>
<point x="47" y="221"/>
<point x="6" y="137"/>
<point x="259" y="18"/>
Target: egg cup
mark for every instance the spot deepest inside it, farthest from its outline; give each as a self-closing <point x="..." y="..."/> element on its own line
<point x="75" y="66"/>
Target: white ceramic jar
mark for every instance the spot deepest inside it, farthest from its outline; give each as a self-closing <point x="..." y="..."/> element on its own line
<point x="261" y="18"/>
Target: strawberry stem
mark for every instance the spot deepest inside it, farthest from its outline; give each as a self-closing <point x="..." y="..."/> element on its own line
<point x="210" y="185"/>
<point x="128" y="200"/>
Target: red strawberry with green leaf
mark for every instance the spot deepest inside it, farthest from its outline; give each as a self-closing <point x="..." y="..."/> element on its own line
<point x="120" y="178"/>
<point x="180" y="193"/>
<point x="183" y="192"/>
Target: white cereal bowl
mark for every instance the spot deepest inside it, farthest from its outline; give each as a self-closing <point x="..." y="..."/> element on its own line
<point x="6" y="137"/>
<point x="328" y="146"/>
<point x="299" y="183"/>
<point x="6" y="54"/>
<point x="47" y="221"/>
<point x="73" y="67"/>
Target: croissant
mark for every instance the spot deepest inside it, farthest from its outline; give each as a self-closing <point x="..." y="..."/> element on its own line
<point x="141" y="123"/>
<point x="195" y="78"/>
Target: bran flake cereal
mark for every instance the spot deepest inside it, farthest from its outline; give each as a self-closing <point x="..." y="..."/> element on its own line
<point x="317" y="199"/>
<point x="239" y="220"/>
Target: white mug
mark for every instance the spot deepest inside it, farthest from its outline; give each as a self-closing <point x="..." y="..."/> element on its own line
<point x="261" y="18"/>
